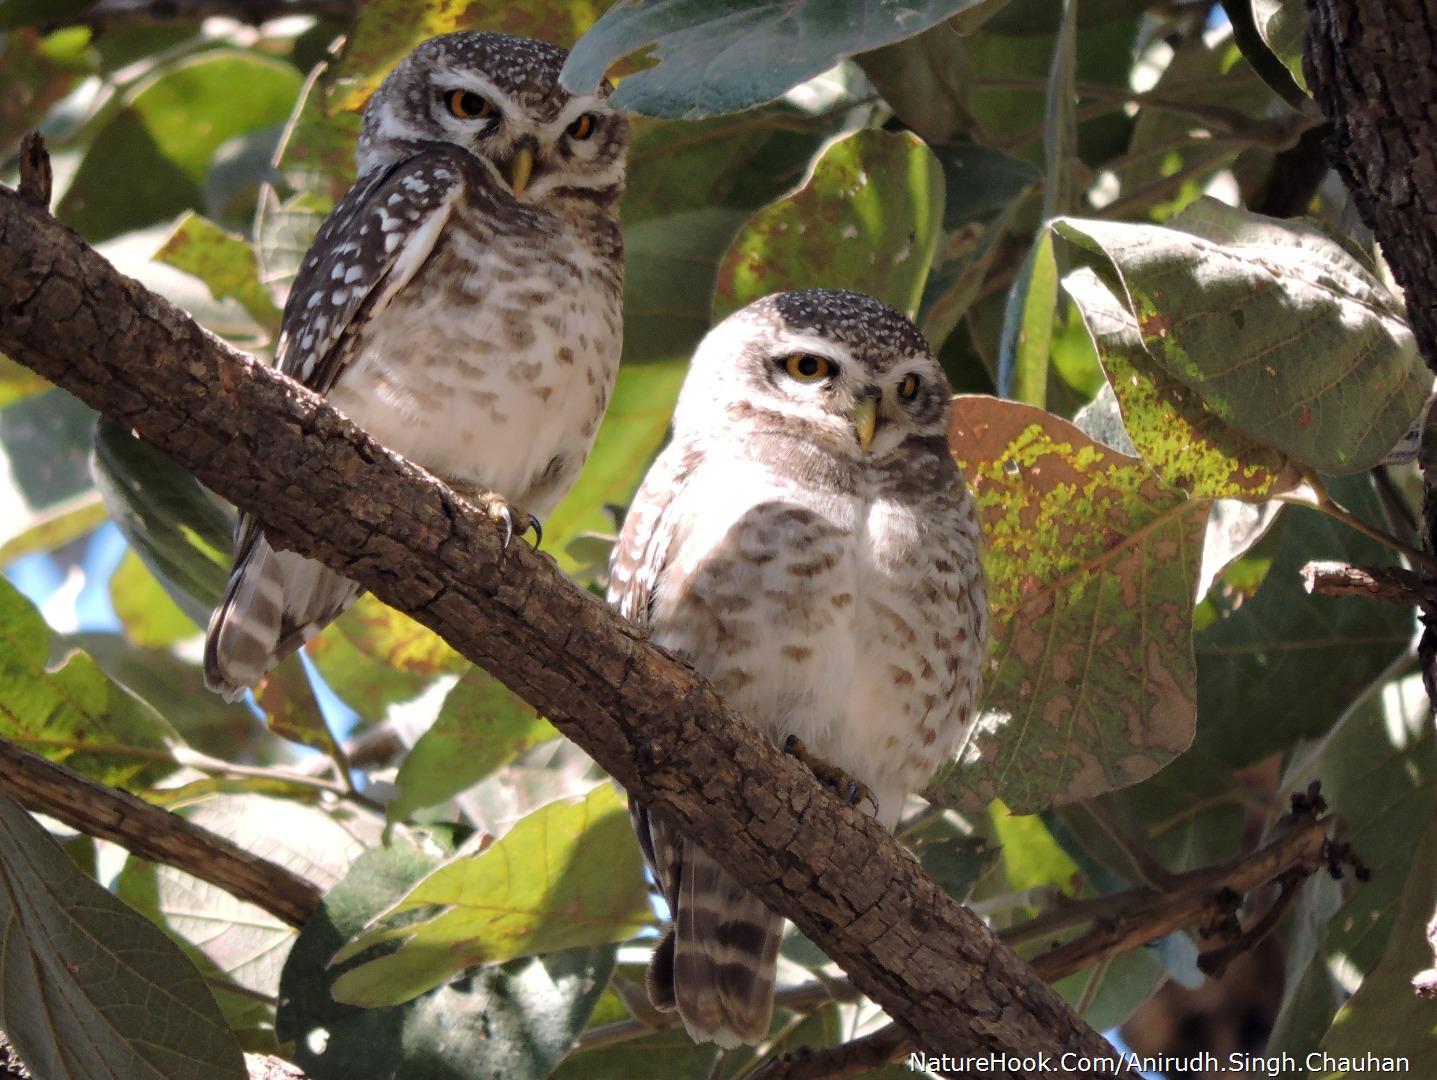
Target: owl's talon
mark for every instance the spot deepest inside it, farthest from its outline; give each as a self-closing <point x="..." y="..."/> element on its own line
<point x="502" y="513"/>
<point x="537" y="527"/>
<point x="832" y="777"/>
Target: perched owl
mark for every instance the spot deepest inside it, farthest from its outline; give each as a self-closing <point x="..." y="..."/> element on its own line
<point x="462" y="304"/>
<point x="807" y="542"/>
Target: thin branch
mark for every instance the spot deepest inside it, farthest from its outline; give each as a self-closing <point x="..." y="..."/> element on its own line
<point x="1333" y="509"/>
<point x="1390" y="583"/>
<point x="152" y="833"/>
<point x="328" y="491"/>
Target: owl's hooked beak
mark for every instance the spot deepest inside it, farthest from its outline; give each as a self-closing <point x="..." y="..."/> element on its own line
<point x="865" y="417"/>
<point x="521" y="167"/>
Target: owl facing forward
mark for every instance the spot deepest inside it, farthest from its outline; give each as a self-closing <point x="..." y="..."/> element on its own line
<point x="807" y="542"/>
<point x="462" y="304"/>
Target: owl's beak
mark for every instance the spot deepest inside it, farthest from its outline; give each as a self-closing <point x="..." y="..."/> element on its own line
<point x="865" y="418"/>
<point x="521" y="167"/>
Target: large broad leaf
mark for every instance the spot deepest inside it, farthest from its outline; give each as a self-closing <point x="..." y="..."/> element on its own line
<point x="148" y="163"/>
<point x="480" y="727"/>
<point x="1386" y="1018"/>
<point x="516" y="1022"/>
<point x="567" y="876"/>
<point x="1280" y="24"/>
<point x="1283" y="332"/>
<point x="1180" y="438"/>
<point x="179" y="531"/>
<point x="721" y="57"/>
<point x="1294" y="659"/>
<point x="240" y="943"/>
<point x="90" y="988"/>
<point x="1025" y="347"/>
<point x="867" y="218"/>
<point x="72" y="713"/>
<point x="44" y="441"/>
<point x="1091" y="564"/>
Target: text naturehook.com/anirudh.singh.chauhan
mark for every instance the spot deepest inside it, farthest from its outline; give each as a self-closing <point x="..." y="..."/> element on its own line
<point x="1319" y="1061"/>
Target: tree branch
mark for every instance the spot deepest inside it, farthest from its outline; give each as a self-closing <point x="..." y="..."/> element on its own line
<point x="154" y="833"/>
<point x="1207" y="897"/>
<point x="327" y="490"/>
<point x="1393" y="584"/>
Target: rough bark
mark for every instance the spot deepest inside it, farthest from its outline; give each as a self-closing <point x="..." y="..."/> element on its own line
<point x="327" y="490"/>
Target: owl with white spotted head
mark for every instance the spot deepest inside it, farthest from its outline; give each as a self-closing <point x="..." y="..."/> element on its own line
<point x="462" y="304"/>
<point x="807" y="543"/>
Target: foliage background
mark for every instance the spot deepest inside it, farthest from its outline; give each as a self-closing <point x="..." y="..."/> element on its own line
<point x="1199" y="403"/>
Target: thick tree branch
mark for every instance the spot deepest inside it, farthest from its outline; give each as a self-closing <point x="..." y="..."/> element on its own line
<point x="154" y="833"/>
<point x="327" y="490"/>
<point x="1393" y="584"/>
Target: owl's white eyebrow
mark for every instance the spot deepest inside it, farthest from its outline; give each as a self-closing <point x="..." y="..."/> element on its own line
<point x="813" y="345"/>
<point x="577" y="108"/>
<point x="447" y="78"/>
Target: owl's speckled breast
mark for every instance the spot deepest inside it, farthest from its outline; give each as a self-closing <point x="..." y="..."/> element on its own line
<point x="494" y="366"/>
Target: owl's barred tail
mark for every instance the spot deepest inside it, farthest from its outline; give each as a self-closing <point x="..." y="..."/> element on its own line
<point x="718" y="963"/>
<point x="276" y="601"/>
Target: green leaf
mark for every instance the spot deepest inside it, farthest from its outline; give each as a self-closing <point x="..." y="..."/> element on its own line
<point x="1280" y="330"/>
<point x="148" y="163"/>
<point x="1031" y="857"/>
<point x="867" y="218"/>
<point x="1179" y="437"/>
<point x="480" y="727"/>
<point x="180" y="533"/>
<point x="957" y="862"/>
<point x="224" y="262"/>
<point x="44" y="447"/>
<point x="566" y="876"/>
<point x="1280" y="24"/>
<point x="1091" y="566"/>
<point x="1292" y="658"/>
<point x="91" y="988"/>
<point x="238" y="941"/>
<point x="516" y="1022"/>
<point x="150" y="618"/>
<point x="71" y="712"/>
<point x="1027" y="340"/>
<point x="715" y="58"/>
<point x="1379" y="775"/>
<point x="1385" y="1017"/>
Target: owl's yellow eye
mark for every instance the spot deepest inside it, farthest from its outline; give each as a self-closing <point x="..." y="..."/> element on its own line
<point x="908" y="388"/>
<point x="582" y="128"/>
<point x="467" y="105"/>
<point x="806" y="368"/>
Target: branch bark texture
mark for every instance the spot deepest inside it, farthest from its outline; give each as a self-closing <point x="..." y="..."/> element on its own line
<point x="326" y="489"/>
<point x="154" y="833"/>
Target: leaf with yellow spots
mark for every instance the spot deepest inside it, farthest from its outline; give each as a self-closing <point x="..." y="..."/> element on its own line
<point x="565" y="876"/>
<point x="1092" y="560"/>
<point x="867" y="218"/>
<point x="1181" y="439"/>
<point x="1284" y="333"/>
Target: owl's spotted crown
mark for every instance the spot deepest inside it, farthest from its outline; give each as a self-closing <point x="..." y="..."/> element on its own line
<point x="850" y="317"/>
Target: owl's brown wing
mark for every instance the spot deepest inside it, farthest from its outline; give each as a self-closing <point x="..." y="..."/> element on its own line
<point x="367" y="250"/>
<point x="716" y="962"/>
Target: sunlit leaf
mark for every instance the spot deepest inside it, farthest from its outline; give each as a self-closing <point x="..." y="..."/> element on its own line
<point x="149" y="161"/>
<point x="867" y="218"/>
<point x="1280" y="24"/>
<point x="70" y="712"/>
<point x="569" y="875"/>
<point x="150" y="618"/>
<point x="1091" y="564"/>
<point x="516" y="1021"/>
<point x="1026" y="344"/>
<point x="480" y="727"/>
<point x="1183" y="441"/>
<point x="1281" y="331"/>
<point x="91" y="988"/>
<point x="224" y="262"/>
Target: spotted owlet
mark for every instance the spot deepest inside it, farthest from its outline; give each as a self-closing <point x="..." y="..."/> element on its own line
<point x="807" y="542"/>
<point x="461" y="303"/>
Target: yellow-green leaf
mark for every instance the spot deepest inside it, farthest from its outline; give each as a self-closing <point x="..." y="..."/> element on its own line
<point x="565" y="876"/>
<point x="224" y="262"/>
